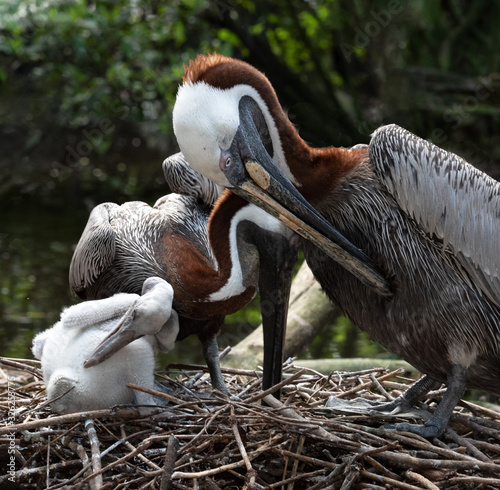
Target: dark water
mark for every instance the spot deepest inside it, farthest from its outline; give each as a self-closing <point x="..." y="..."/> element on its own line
<point x="36" y="246"/>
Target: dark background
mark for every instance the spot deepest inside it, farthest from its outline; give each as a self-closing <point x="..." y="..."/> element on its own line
<point x="87" y="89"/>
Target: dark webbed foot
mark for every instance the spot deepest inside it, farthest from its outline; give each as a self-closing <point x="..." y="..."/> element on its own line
<point x="405" y="402"/>
<point x="437" y="424"/>
<point x="429" y="429"/>
<point x="402" y="404"/>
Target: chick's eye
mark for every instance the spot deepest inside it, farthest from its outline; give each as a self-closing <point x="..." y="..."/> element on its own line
<point x="227" y="162"/>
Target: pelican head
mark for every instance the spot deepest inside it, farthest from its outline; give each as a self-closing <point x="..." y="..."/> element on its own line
<point x="149" y="314"/>
<point x="231" y="128"/>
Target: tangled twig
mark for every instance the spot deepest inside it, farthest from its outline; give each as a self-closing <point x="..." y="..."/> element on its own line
<point x="250" y="440"/>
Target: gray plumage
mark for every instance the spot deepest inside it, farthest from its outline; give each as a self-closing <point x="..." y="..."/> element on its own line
<point x="122" y="246"/>
<point x="449" y="199"/>
<point x="419" y="214"/>
<point x="118" y="249"/>
<point x="182" y="179"/>
<point x="431" y="221"/>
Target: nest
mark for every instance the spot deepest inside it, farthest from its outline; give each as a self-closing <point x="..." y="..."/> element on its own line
<point x="252" y="441"/>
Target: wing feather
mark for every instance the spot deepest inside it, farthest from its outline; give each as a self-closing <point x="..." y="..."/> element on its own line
<point x="95" y="250"/>
<point x="449" y="198"/>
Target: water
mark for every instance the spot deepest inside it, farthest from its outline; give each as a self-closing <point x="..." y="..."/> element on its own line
<point x="36" y="248"/>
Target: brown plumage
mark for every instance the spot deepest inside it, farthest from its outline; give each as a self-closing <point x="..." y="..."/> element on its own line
<point x="412" y="208"/>
<point x="209" y="254"/>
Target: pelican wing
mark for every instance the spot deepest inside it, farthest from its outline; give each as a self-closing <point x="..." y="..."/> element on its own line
<point x="182" y="179"/>
<point x="95" y="251"/>
<point x="450" y="199"/>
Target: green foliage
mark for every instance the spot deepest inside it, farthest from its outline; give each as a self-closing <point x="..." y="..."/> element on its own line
<point x="342" y="339"/>
<point x="85" y="62"/>
<point x="92" y="62"/>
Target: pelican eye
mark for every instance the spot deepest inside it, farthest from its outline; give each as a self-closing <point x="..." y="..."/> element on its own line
<point x="225" y="160"/>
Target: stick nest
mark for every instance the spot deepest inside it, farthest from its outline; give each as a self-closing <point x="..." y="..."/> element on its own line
<point x="253" y="441"/>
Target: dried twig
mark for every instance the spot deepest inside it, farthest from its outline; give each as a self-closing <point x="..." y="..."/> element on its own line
<point x="21" y="364"/>
<point x="218" y="442"/>
<point x="97" y="482"/>
<point x="296" y="462"/>
<point x="306" y="459"/>
<point x="368" y="384"/>
<point x="275" y="388"/>
<point x="391" y="483"/>
<point x="165" y="396"/>
<point x="169" y="466"/>
<point x="71" y="417"/>
<point x="422" y="480"/>
<point x="250" y="471"/>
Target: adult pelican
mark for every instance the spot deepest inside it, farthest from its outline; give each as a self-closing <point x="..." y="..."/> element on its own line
<point x="424" y="216"/>
<point x="214" y="256"/>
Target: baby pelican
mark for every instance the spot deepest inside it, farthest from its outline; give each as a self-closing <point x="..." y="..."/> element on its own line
<point x="64" y="348"/>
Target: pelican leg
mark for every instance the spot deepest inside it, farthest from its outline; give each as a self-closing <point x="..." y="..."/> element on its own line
<point x="436" y="425"/>
<point x="407" y="400"/>
<point x="211" y="354"/>
<point x="277" y="259"/>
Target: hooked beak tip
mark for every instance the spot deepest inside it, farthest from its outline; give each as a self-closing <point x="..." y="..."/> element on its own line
<point x="266" y="190"/>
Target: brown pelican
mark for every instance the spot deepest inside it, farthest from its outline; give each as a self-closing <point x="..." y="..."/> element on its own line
<point x="427" y="218"/>
<point x="215" y="263"/>
<point x="82" y="327"/>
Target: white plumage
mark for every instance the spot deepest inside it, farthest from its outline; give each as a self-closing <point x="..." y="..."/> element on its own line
<point x="64" y="348"/>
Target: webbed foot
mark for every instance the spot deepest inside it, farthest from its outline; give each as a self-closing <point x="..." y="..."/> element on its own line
<point x="437" y="424"/>
<point x="431" y="428"/>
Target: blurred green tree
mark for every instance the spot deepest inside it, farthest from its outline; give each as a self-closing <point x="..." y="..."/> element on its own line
<point x="85" y="81"/>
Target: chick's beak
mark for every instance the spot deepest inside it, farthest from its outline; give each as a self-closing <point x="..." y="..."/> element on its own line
<point x="122" y="335"/>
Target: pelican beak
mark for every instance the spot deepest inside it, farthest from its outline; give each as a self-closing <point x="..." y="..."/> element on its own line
<point x="122" y="335"/>
<point x="254" y="176"/>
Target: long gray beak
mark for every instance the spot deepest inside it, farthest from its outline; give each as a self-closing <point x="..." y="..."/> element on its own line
<point x="254" y="176"/>
<point x="122" y="335"/>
